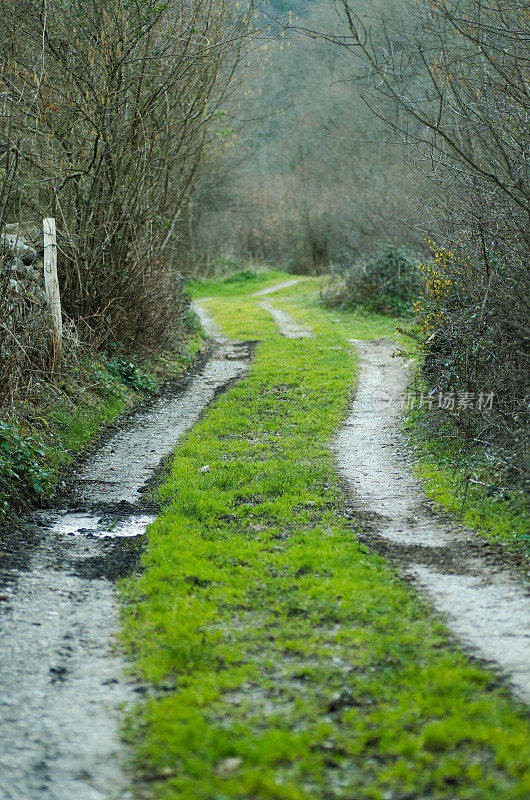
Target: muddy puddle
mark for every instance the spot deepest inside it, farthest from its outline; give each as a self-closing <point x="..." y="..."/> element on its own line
<point x="63" y="685"/>
<point x="484" y="602"/>
<point x="90" y="525"/>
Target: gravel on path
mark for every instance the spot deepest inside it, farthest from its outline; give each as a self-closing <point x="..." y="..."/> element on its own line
<point x="62" y="682"/>
<point x="287" y="326"/>
<point x="278" y="287"/>
<point x="485" y="603"/>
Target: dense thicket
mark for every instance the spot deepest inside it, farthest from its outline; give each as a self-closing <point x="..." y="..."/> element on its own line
<point x="459" y="81"/>
<point x="106" y="112"/>
<point x="387" y="282"/>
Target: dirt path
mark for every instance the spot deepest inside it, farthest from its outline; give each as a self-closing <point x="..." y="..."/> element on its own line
<point x="122" y="467"/>
<point x="287" y="326"/>
<point x="278" y="287"/>
<point x="61" y="681"/>
<point x="208" y="323"/>
<point x="485" y="604"/>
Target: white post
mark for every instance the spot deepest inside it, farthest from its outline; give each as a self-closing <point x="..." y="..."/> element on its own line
<point x="51" y="286"/>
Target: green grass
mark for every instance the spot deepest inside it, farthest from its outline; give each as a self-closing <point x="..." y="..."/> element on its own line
<point x="445" y="463"/>
<point x="246" y="280"/>
<point x="288" y="662"/>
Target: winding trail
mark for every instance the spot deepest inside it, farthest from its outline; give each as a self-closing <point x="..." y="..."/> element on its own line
<point x="485" y="604"/>
<point x="62" y="683"/>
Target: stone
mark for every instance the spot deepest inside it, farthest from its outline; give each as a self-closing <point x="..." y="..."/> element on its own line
<point x="38" y="271"/>
<point x="29" y="274"/>
<point x="24" y="239"/>
<point x="30" y="231"/>
<point x="228" y="765"/>
<point x="341" y="700"/>
<point x="38" y="294"/>
<point x="18" y="247"/>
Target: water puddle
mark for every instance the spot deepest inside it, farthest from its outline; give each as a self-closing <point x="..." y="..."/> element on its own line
<point x="486" y="607"/>
<point x="84" y="523"/>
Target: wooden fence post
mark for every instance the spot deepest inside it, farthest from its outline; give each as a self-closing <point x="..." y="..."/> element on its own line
<point x="51" y="286"/>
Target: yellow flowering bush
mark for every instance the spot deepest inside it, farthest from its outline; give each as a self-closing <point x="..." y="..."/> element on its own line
<point x="472" y="334"/>
<point x="445" y="278"/>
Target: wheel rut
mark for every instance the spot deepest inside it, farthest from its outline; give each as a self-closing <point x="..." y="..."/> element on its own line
<point x="485" y="602"/>
<point x="287" y="326"/>
<point x="63" y="684"/>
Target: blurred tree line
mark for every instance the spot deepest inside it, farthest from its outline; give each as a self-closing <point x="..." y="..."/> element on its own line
<point x="307" y="174"/>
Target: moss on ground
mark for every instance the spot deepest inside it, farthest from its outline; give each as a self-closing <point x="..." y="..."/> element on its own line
<point x="286" y="661"/>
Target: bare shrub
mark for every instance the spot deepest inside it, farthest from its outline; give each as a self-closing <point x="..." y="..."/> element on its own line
<point x="459" y="82"/>
<point x="115" y="101"/>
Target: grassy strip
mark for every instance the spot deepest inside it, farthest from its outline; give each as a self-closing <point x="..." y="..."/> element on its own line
<point x="445" y="465"/>
<point x="244" y="280"/>
<point x="44" y="434"/>
<point x="289" y="663"/>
